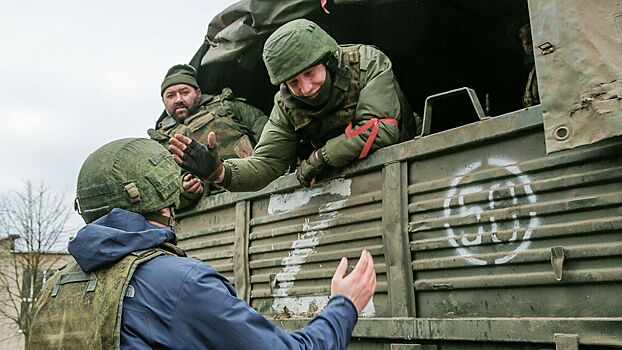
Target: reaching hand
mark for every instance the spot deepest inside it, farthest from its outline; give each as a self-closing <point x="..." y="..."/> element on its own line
<point x="192" y="184"/>
<point x="193" y="156"/>
<point x="359" y="286"/>
<point x="310" y="168"/>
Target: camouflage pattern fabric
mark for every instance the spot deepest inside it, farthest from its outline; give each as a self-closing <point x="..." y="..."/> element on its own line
<point x="118" y="175"/>
<point x="364" y="87"/>
<point x="79" y="310"/>
<point x="294" y="47"/>
<point x="237" y="125"/>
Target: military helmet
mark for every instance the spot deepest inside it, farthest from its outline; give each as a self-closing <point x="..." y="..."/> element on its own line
<point x="134" y="174"/>
<point x="294" y="47"/>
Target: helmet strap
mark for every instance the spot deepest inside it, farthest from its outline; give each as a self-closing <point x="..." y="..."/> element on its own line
<point x="332" y="63"/>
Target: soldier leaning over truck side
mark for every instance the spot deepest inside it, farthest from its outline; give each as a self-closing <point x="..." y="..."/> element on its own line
<point x="336" y="104"/>
<point x="237" y="124"/>
<point x="131" y="287"/>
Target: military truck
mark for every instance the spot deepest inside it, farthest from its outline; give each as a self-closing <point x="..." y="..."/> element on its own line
<point x="499" y="227"/>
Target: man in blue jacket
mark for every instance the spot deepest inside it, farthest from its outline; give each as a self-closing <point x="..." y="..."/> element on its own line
<point x="130" y="287"/>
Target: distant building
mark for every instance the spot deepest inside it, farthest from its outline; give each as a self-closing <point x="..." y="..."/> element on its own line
<point x="11" y="337"/>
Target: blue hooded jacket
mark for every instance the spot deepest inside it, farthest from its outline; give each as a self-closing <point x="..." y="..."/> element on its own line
<point x="182" y="303"/>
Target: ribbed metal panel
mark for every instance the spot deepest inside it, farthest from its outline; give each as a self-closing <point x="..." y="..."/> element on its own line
<point x="481" y="240"/>
<point x="297" y="239"/>
<point x="483" y="222"/>
<point x="210" y="238"/>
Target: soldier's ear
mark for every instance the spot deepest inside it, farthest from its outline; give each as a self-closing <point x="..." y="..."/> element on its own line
<point x="199" y="91"/>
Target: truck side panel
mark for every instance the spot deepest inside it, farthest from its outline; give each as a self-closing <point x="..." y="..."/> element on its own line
<point x="481" y="241"/>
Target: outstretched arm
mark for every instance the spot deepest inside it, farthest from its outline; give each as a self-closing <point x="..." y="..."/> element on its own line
<point x="359" y="285"/>
<point x="211" y="317"/>
<point x="196" y="158"/>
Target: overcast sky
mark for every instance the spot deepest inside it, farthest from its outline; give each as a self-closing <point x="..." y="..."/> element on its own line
<point x="76" y="74"/>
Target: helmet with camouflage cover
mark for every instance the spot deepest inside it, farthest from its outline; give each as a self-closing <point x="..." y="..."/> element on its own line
<point x="294" y="47"/>
<point x="134" y="174"/>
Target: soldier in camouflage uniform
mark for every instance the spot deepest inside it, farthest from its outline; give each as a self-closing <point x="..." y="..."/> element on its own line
<point x="531" y="97"/>
<point x="131" y="287"/>
<point x="237" y="124"/>
<point x="336" y="104"/>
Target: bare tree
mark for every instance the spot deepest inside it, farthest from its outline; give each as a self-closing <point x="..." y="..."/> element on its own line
<point x="34" y="220"/>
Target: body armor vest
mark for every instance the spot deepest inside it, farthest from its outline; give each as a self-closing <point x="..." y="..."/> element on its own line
<point x="315" y="129"/>
<point x="79" y="310"/>
<point x="234" y="139"/>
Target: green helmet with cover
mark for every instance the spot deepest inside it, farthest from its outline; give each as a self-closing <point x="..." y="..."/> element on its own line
<point x="294" y="47"/>
<point x="134" y="174"/>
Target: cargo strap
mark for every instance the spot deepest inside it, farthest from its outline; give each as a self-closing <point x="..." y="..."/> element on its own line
<point x="373" y="122"/>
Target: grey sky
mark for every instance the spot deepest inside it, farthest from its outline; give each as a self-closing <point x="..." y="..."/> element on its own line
<point x="77" y="74"/>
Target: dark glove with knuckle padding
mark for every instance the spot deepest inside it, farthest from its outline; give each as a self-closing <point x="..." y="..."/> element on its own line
<point x="202" y="161"/>
<point x="310" y="168"/>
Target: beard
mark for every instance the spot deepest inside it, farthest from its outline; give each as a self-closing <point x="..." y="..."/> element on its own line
<point x="180" y="114"/>
<point x="182" y="110"/>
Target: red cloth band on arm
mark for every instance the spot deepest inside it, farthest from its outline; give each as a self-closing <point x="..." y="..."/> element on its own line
<point x="323" y="3"/>
<point x="373" y="122"/>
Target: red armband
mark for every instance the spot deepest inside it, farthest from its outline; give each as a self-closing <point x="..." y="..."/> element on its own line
<point x="323" y="3"/>
<point x="372" y="123"/>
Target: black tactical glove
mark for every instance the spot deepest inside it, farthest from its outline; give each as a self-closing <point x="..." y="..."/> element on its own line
<point x="310" y="168"/>
<point x="202" y="161"/>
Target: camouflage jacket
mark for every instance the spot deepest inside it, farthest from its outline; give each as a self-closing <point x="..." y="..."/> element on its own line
<point x="237" y="125"/>
<point x="364" y="88"/>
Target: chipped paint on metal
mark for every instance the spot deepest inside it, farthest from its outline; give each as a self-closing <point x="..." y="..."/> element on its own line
<point x="312" y="230"/>
<point x="333" y="206"/>
<point x="299" y="198"/>
<point x="369" y="310"/>
<point x="301" y="249"/>
<point x="301" y="306"/>
<point x="325" y="221"/>
<point x="463" y="239"/>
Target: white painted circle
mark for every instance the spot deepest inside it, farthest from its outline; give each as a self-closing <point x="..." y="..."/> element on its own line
<point x="454" y="204"/>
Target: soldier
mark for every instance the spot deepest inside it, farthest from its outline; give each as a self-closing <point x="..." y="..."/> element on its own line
<point x="336" y="104"/>
<point x="130" y="287"/>
<point x="237" y="124"/>
<point x="531" y="97"/>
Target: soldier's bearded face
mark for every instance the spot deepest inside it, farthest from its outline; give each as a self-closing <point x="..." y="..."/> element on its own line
<point x="308" y="83"/>
<point x="179" y="100"/>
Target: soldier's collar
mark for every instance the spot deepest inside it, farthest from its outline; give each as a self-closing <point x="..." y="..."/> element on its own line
<point x="342" y="73"/>
<point x="168" y="122"/>
<point x="205" y="99"/>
